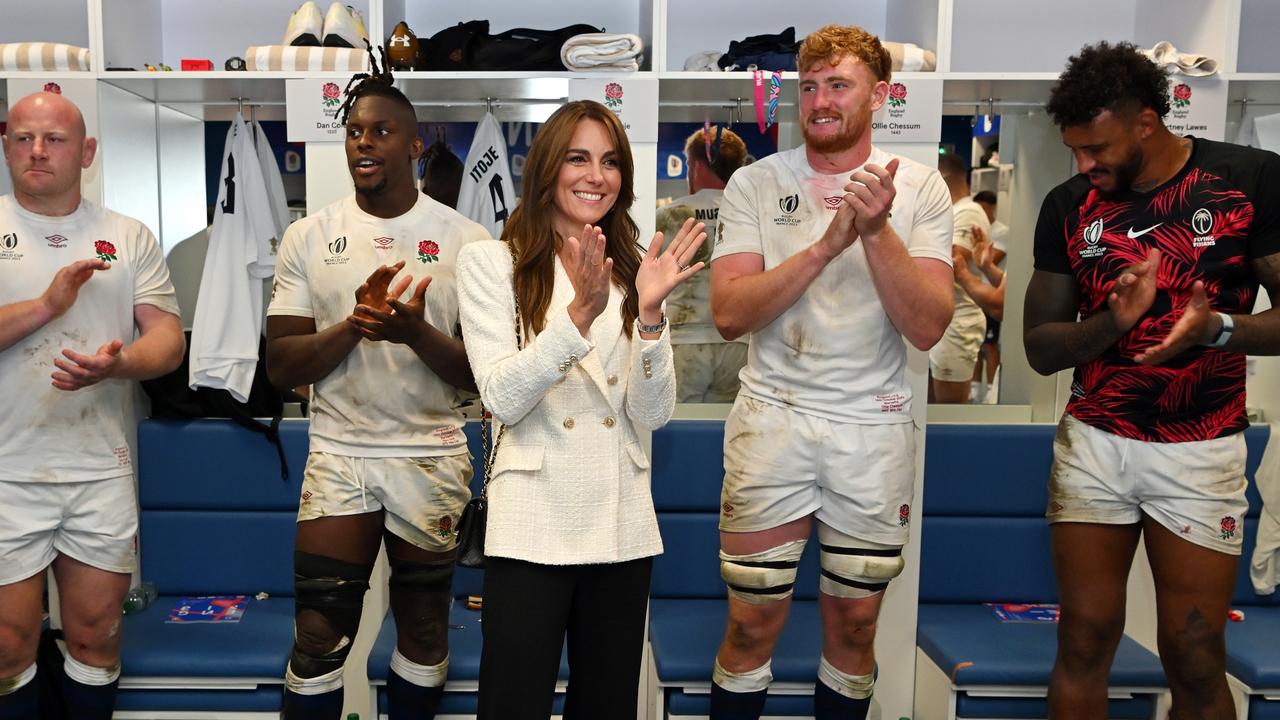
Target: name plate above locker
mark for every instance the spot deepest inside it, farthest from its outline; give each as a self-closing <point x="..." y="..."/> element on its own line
<point x="911" y="114"/>
<point x="311" y="108"/>
<point x="1197" y="106"/>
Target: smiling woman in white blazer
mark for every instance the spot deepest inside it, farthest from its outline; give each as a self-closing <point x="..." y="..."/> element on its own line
<point x="571" y="527"/>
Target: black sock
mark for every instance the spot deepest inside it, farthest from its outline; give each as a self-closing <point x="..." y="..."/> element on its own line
<point x="89" y="702"/>
<point x="325" y="706"/>
<point x="406" y="701"/>
<point x="23" y="703"/>
<point x="727" y="705"/>
<point x="831" y="705"/>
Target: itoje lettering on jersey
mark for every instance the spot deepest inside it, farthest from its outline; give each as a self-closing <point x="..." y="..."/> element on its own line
<point x="498" y="197"/>
<point x="482" y="165"/>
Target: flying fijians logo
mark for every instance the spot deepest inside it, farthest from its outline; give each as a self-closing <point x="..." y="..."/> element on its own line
<point x="1181" y="96"/>
<point x="897" y="95"/>
<point x="1092" y="239"/>
<point x="428" y="251"/>
<point x="613" y="96"/>
<point x="106" y="251"/>
<point x="1202" y="226"/>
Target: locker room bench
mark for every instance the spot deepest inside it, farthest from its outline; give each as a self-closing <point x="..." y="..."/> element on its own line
<point x="985" y="539"/>
<point x="1253" y="654"/>
<point x="687" y="607"/>
<point x="216" y="519"/>
<point x="464" y="635"/>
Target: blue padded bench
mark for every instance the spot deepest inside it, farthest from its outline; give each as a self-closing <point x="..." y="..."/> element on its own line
<point x="1253" y="646"/>
<point x="985" y="539"/>
<point x="464" y="642"/>
<point x="688" y="607"/>
<point x="216" y="519"/>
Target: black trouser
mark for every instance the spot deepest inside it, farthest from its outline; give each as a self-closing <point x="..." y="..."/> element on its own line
<point x="528" y="611"/>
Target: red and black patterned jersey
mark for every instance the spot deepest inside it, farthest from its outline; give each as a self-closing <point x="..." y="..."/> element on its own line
<point x="1219" y="213"/>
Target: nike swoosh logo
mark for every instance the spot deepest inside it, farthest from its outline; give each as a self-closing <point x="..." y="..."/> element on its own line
<point x="1134" y="235"/>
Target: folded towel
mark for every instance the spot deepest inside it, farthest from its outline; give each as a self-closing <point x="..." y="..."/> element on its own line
<point x="1167" y="56"/>
<point x="908" y="57"/>
<point x="315" y="59"/>
<point x="602" y="51"/>
<point x="705" y="61"/>
<point x="44" y="56"/>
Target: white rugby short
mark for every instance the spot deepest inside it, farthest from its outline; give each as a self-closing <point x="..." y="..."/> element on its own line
<point x="422" y="497"/>
<point x="1195" y="489"/>
<point x="95" y="522"/>
<point x="780" y="465"/>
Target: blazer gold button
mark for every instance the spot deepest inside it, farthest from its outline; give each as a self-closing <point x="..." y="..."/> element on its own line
<point x="568" y="423"/>
<point x="613" y="379"/>
<point x="610" y="422"/>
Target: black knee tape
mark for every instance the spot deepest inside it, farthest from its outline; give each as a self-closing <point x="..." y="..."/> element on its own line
<point x="418" y="577"/>
<point x="335" y="590"/>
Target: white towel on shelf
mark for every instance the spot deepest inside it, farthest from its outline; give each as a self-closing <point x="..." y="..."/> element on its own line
<point x="602" y="51"/>
<point x="705" y="61"/>
<point x="43" y="56"/>
<point x="1167" y="56"/>
<point x="313" y="59"/>
<point x="1264" y="566"/>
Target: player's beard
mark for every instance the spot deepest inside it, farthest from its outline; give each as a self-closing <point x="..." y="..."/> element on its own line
<point x="852" y="128"/>
<point x="374" y="189"/>
<point x="1126" y="172"/>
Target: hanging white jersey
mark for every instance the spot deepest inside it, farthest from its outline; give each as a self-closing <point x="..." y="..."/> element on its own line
<point x="689" y="305"/>
<point x="487" y="194"/>
<point x="242" y="247"/>
<point x="271" y="178"/>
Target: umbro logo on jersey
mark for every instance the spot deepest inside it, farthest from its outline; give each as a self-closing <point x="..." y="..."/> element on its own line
<point x="383" y="243"/>
<point x="833" y="203"/>
<point x="1092" y="239"/>
<point x="1135" y="234"/>
<point x="56" y="241"/>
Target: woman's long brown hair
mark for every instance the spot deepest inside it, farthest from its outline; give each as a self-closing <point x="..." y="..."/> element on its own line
<point x="530" y="231"/>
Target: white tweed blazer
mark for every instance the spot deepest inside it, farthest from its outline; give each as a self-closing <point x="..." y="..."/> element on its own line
<point x="570" y="481"/>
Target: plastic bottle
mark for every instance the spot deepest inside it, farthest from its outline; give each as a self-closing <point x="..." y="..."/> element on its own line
<point x="139" y="598"/>
<point x="353" y="716"/>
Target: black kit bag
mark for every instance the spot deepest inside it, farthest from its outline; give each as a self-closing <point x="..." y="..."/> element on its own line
<point x="475" y="516"/>
<point x="524" y="49"/>
<point x="172" y="397"/>
<point x="451" y="48"/>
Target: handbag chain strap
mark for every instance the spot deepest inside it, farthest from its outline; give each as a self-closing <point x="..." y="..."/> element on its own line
<point x="486" y="425"/>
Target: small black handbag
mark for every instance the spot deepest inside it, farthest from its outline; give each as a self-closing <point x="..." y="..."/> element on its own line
<point x="471" y="526"/>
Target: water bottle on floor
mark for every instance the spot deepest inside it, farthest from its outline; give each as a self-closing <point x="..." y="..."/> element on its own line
<point x="139" y="598"/>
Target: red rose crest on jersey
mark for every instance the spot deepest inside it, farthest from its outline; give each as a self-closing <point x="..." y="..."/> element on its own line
<point x="904" y="515"/>
<point x="106" y="251"/>
<point x="428" y="251"/>
<point x="445" y="527"/>
<point x="1228" y="527"/>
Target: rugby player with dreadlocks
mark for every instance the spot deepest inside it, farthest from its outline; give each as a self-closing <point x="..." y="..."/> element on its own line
<point x="388" y="459"/>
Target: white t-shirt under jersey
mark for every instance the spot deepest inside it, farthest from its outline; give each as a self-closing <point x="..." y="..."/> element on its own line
<point x="51" y="435"/>
<point x="689" y="305"/>
<point x="382" y="400"/>
<point x="834" y="353"/>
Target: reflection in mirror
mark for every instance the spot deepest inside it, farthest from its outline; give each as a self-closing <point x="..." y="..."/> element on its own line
<point x="695" y="163"/>
<point x="965" y="365"/>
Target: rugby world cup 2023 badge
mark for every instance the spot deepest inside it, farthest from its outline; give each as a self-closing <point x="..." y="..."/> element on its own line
<point x="1093" y="246"/>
